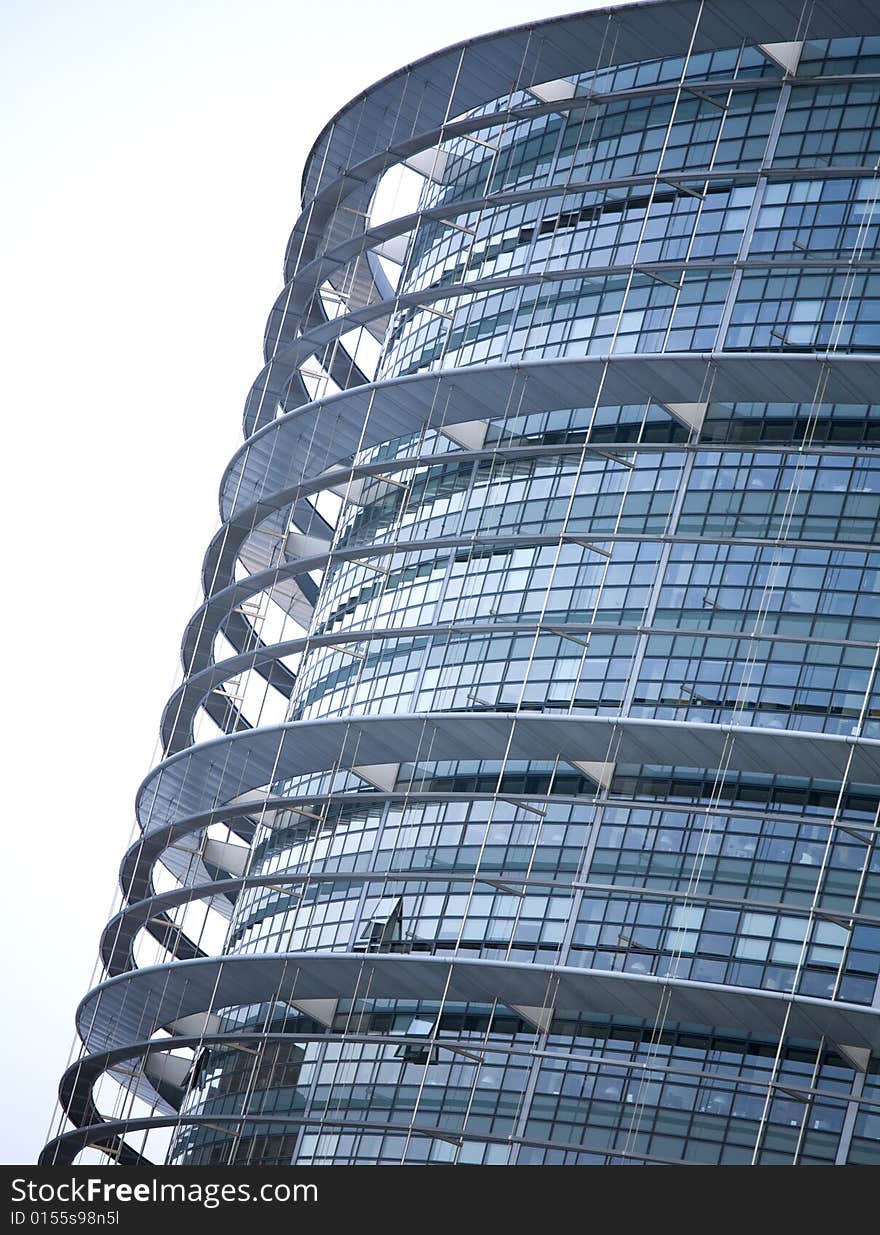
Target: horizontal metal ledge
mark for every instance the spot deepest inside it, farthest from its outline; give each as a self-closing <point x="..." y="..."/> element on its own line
<point x="295" y="348"/>
<point x="267" y="518"/>
<point x="181" y="709"/>
<point x="304" y="346"/>
<point x="63" y="1149"/>
<point x="77" y="1083"/>
<point x="298" y="447"/>
<point x="272" y="385"/>
<point x="135" y="1005"/>
<point x="75" y="1089"/>
<point x="118" y="936"/>
<point x="223" y="607"/>
<point x="135" y="875"/>
<point x="220" y="559"/>
<point x="216" y="772"/>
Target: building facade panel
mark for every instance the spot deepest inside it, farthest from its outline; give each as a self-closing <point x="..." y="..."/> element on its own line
<point x="520" y="800"/>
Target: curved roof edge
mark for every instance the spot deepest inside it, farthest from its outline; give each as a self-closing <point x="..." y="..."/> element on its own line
<point x="636" y="36"/>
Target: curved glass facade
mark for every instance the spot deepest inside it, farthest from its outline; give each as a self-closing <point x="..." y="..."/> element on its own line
<point x="521" y="794"/>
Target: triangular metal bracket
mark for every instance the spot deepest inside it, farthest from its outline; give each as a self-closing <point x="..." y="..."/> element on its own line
<point x="691" y="415"/>
<point x="167" y="1069"/>
<point x="196" y="1025"/>
<point x="253" y="797"/>
<point x="470" y="434"/>
<point x="786" y="55"/>
<point x="601" y="773"/>
<point x="360" y="490"/>
<point x="350" y="490"/>
<point x="395" y="248"/>
<point x="429" y="163"/>
<point x="297" y="544"/>
<point x="257" y="799"/>
<point x="552" y="91"/>
<point x="540" y="1018"/>
<point x="382" y="776"/>
<point x="321" y="1010"/>
<point x="226" y="856"/>
<point x="858" y="1056"/>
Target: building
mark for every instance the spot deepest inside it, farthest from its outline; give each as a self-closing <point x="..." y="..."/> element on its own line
<point x="528" y="744"/>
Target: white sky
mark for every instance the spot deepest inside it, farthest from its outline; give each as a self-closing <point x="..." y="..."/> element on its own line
<point x="149" y="183"/>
